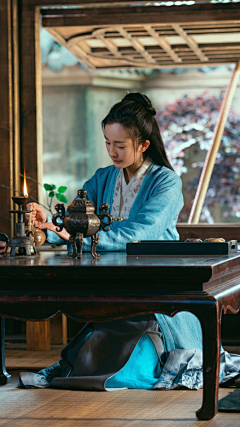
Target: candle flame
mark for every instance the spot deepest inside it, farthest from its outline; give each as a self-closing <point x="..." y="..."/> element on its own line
<point x="25" y="189"/>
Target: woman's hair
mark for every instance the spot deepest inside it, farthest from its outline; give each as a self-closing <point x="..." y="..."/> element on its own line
<point x="136" y="114"/>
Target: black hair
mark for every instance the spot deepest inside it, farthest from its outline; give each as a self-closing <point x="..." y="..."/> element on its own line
<point x="136" y="114"/>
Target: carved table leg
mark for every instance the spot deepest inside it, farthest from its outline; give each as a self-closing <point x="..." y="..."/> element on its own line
<point x="210" y="322"/>
<point x="4" y="376"/>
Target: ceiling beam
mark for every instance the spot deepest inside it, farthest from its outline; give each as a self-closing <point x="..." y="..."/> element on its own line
<point x="76" y="50"/>
<point x="190" y="42"/>
<point x="137" y="45"/>
<point x="163" y="43"/>
<point x="135" y="15"/>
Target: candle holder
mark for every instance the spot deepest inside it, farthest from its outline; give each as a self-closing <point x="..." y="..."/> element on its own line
<point x="21" y="245"/>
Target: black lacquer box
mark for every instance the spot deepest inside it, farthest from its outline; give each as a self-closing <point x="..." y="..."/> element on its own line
<point x="180" y="247"/>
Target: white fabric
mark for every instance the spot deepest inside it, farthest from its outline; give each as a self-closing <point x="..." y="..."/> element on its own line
<point x="125" y="194"/>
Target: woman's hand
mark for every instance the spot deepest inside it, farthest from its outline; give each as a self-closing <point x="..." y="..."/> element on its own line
<point x="39" y="218"/>
<point x="38" y="214"/>
<point x="3" y="248"/>
<point x="50" y="226"/>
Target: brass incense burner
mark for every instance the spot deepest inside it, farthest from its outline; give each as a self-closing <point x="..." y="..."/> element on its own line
<point x="82" y="221"/>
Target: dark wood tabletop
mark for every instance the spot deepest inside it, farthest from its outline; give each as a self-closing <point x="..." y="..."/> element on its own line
<point x="117" y="286"/>
<point x="115" y="272"/>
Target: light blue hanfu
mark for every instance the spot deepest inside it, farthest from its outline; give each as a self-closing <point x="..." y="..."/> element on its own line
<point x="153" y="216"/>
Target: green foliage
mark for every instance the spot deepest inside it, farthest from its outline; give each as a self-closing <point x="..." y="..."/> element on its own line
<point x="47" y="187"/>
<point x="62" y="189"/>
<point x="61" y="198"/>
<point x="50" y="190"/>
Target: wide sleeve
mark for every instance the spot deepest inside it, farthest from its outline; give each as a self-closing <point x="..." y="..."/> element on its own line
<point x="157" y="215"/>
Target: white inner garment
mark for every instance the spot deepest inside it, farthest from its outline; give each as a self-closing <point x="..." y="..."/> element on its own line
<point x="125" y="194"/>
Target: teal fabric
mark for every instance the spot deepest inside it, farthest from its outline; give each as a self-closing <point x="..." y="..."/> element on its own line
<point x="141" y="371"/>
<point x="153" y="215"/>
<point x="183" y="331"/>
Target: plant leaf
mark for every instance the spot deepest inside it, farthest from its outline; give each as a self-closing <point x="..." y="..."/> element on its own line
<point x="47" y="187"/>
<point x="61" y="198"/>
<point x="62" y="189"/>
<point x="53" y="187"/>
<point x="51" y="194"/>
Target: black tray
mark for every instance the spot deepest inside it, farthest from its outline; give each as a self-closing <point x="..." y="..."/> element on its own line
<point x="180" y="247"/>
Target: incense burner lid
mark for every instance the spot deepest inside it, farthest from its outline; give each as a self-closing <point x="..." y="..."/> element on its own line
<point x="80" y="204"/>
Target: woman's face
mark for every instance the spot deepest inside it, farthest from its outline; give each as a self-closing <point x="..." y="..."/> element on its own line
<point x="120" y="146"/>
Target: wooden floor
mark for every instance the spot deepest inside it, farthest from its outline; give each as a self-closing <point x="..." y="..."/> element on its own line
<point x="126" y="408"/>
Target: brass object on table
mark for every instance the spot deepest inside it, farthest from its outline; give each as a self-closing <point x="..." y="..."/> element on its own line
<point x="20" y="246"/>
<point x="81" y="221"/>
<point x="37" y="235"/>
<point x="215" y="240"/>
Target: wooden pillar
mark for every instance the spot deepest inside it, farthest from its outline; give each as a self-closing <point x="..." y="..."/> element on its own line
<point x="6" y="117"/>
<point x="30" y="94"/>
<point x="38" y="335"/>
<point x="58" y="328"/>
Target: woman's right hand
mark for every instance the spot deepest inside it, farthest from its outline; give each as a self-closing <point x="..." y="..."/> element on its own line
<point x="39" y="216"/>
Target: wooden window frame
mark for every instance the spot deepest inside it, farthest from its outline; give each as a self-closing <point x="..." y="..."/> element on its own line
<point x="21" y="123"/>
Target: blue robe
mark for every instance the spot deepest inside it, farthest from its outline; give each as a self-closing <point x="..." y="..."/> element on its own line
<point x="153" y="216"/>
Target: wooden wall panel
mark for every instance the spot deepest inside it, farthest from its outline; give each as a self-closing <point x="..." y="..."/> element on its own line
<point x="6" y="153"/>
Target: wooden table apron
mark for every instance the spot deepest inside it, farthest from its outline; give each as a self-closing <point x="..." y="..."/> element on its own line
<point x="118" y="286"/>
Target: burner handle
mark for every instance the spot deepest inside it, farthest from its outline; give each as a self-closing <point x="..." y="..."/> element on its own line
<point x="59" y="215"/>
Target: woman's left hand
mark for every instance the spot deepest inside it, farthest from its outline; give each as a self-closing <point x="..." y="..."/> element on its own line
<point x="50" y="226"/>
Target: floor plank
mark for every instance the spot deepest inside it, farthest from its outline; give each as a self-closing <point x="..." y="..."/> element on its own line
<point x="17" y="356"/>
<point x="68" y="408"/>
<point x="125" y="408"/>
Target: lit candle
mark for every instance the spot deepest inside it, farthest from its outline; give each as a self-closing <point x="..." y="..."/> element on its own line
<point x="25" y="189"/>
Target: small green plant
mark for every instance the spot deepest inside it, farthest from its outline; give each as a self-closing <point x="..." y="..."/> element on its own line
<point x="52" y="191"/>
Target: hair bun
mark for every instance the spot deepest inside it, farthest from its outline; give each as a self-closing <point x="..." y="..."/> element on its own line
<point x="141" y="99"/>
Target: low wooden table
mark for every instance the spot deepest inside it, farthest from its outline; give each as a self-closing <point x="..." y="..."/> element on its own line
<point x="118" y="286"/>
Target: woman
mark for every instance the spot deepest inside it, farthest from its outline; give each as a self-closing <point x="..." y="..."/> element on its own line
<point x="145" y="193"/>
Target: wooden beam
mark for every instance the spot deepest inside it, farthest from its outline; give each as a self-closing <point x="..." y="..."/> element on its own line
<point x="90" y="2"/>
<point x="99" y="34"/>
<point x="39" y="121"/>
<point x="211" y="155"/>
<point x="75" y="49"/>
<point x="6" y="118"/>
<point x="137" y="45"/>
<point x="190" y="42"/>
<point x="135" y="15"/>
<point x="163" y="43"/>
<point x="28" y="96"/>
<point x="16" y="112"/>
